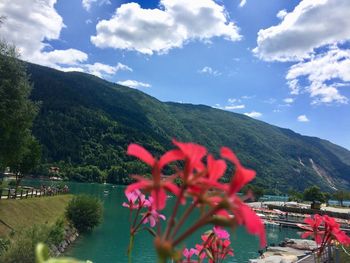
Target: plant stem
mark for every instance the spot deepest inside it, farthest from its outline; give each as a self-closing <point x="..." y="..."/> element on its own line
<point x="201" y="222"/>
<point x="172" y="218"/>
<point x="184" y="217"/>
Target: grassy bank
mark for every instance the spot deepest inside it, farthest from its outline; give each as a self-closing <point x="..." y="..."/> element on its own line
<point x="24" y="213"/>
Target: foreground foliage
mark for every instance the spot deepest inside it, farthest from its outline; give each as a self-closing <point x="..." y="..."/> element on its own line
<point x="22" y="246"/>
<point x="325" y="231"/>
<point x="203" y="190"/>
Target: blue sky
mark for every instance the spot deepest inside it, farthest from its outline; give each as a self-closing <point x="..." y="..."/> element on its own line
<point x="283" y="62"/>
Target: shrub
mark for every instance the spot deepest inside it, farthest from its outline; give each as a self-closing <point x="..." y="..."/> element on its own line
<point x="56" y="233"/>
<point x="84" y="212"/>
<point x="22" y="246"/>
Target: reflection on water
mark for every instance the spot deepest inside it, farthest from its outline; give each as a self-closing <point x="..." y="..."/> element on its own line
<point x="108" y="243"/>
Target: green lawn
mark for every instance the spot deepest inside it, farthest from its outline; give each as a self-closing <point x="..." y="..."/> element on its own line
<point x="26" y="212"/>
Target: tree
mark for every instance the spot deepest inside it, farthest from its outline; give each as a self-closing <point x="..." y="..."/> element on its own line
<point x="314" y="193"/>
<point x="19" y="150"/>
<point x="340" y="196"/>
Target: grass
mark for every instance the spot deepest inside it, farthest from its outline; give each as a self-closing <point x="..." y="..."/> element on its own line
<point x="24" y="213"/>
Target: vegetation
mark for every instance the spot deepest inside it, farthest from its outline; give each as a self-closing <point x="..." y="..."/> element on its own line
<point x="84" y="212"/>
<point x="314" y="193"/>
<point x="340" y="196"/>
<point x="19" y="149"/>
<point x="21" y="214"/>
<point x="22" y="246"/>
<point x="85" y="122"/>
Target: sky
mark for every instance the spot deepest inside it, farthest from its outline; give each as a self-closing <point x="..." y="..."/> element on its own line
<point x="286" y="63"/>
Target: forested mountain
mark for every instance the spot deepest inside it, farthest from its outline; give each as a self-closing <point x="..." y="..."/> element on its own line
<point x="85" y="124"/>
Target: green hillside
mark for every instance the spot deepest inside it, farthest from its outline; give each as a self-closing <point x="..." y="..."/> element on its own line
<point x="86" y="123"/>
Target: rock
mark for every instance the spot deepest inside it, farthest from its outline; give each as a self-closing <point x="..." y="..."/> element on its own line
<point x="303" y="244"/>
<point x="287" y="251"/>
<point x="275" y="259"/>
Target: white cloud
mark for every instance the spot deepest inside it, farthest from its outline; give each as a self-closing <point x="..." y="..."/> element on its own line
<point x="210" y="71"/>
<point x="282" y="14"/>
<point x="134" y="84"/>
<point x="270" y="101"/>
<point x="242" y="3"/>
<point x="312" y="24"/>
<point x="234" y="107"/>
<point x="64" y="57"/>
<point x="171" y="25"/>
<point x="313" y="35"/>
<point x="288" y="100"/>
<point x="30" y="23"/>
<point x="99" y="69"/>
<point x="233" y="100"/>
<point x="253" y="114"/>
<point x="303" y="118"/>
<point x="325" y="73"/>
<point x="88" y="3"/>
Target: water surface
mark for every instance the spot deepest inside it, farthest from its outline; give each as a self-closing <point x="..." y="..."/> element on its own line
<point x="108" y="242"/>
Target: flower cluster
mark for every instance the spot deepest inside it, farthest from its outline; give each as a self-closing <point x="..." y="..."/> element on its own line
<point x="200" y="175"/>
<point x="324" y="230"/>
<point x="216" y="246"/>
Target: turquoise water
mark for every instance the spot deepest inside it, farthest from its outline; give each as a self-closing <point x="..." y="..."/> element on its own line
<point x="108" y="243"/>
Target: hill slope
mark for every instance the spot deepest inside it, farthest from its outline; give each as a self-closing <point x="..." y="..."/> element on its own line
<point x="85" y="121"/>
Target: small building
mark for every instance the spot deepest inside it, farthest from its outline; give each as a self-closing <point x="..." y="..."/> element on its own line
<point x="316" y="205"/>
<point x="54" y="170"/>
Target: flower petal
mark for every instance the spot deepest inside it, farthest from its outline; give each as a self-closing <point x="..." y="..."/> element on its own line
<point x="242" y="175"/>
<point x="170" y="156"/>
<point x="141" y="153"/>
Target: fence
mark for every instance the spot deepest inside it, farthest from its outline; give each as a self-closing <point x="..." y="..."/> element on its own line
<point x="329" y="255"/>
<point x="309" y="211"/>
<point x="29" y="192"/>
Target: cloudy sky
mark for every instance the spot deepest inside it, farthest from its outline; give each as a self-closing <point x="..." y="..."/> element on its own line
<point x="283" y="62"/>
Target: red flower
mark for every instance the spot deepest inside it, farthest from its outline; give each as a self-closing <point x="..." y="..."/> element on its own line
<point x="313" y="228"/>
<point x="324" y="230"/>
<point x="242" y="213"/>
<point x="193" y="154"/>
<point x="157" y="186"/>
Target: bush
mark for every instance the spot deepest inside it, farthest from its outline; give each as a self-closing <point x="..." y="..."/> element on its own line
<point x="84" y="212"/>
<point x="22" y="246"/>
<point x="56" y="233"/>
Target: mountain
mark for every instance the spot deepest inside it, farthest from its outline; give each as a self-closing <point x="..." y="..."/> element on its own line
<point x="85" y="124"/>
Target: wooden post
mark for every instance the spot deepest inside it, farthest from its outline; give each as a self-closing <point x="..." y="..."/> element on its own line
<point x="32" y="192"/>
<point x="21" y="193"/>
<point x="8" y="193"/>
<point x="0" y="194"/>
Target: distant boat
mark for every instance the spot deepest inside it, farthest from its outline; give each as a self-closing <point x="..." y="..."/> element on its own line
<point x="106" y="192"/>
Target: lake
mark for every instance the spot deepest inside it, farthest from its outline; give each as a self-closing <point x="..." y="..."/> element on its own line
<point x="108" y="242"/>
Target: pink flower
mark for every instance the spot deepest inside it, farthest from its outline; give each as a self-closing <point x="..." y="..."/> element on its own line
<point x="221" y="233"/>
<point x="188" y="253"/>
<point x="132" y="199"/>
<point x="153" y="218"/>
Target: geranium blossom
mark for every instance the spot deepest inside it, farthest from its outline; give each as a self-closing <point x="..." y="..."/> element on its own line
<point x="156" y="185"/>
<point x="325" y="230"/>
<point x="153" y="218"/>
